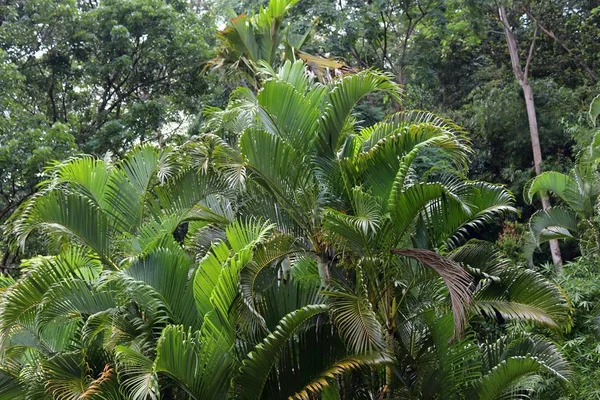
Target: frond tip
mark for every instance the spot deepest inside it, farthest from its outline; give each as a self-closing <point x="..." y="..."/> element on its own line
<point x="458" y="281"/>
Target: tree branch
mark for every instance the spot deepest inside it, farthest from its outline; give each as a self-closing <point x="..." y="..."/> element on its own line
<point x="562" y="44"/>
<point x="513" y="49"/>
<point x="530" y="54"/>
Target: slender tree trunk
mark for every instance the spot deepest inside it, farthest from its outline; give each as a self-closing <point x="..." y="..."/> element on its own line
<point x="522" y="77"/>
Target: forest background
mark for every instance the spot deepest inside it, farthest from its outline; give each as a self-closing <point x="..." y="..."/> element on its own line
<point x="91" y="77"/>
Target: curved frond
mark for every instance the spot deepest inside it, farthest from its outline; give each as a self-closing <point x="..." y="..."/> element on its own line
<point x="257" y="366"/>
<point x="517" y="365"/>
<point x="560" y="184"/>
<point x="455" y="277"/>
<point x="22" y="300"/>
<point x="167" y="272"/>
<point x="136" y="374"/>
<point x="10" y="386"/>
<point x="69" y="214"/>
<point x="554" y="223"/>
<point x="295" y="115"/>
<point x="350" y="363"/>
<point x="199" y="362"/>
<point x="353" y="316"/>
<point x="342" y="99"/>
<point x="523" y="294"/>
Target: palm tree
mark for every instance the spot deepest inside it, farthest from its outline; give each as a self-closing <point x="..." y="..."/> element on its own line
<point x="355" y="200"/>
<point x="249" y="41"/>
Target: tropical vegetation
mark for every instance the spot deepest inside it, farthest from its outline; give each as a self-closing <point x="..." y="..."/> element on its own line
<point x="265" y="211"/>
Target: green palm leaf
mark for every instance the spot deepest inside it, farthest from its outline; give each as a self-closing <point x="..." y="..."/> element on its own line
<point x="256" y="368"/>
<point x="199" y="362"/>
<point x="294" y="114"/>
<point x="516" y="366"/>
<point x="523" y="294"/>
<point x="74" y="298"/>
<point x="342" y="99"/>
<point x="455" y="277"/>
<point x="136" y="374"/>
<point x="67" y="214"/>
<point x="167" y="273"/>
<point x="11" y="388"/>
<point x="560" y="184"/>
<point x="21" y="301"/>
<point x="546" y="225"/>
<point x="353" y="316"/>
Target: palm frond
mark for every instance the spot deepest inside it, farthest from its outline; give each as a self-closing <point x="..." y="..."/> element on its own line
<point x="256" y="368"/>
<point x="340" y="367"/>
<point x="353" y="316"/>
<point x="247" y="234"/>
<point x="294" y="114"/>
<point x="545" y="225"/>
<point x="277" y="167"/>
<point x="455" y="277"/>
<point x="22" y="300"/>
<point x="558" y="183"/>
<point x="199" y="362"/>
<point x="67" y="214"/>
<point x="10" y="386"/>
<point x="524" y="294"/>
<point x="136" y="374"/>
<point x="516" y="366"/>
<point x="486" y="203"/>
<point x="74" y="298"/>
<point x="342" y="99"/>
<point x="167" y="272"/>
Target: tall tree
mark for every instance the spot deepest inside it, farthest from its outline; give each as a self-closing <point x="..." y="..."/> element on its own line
<point x="522" y="76"/>
<point x="112" y="71"/>
<point x="93" y="77"/>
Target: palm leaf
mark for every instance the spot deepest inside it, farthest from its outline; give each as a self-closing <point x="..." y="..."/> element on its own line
<point x="595" y="109"/>
<point x="515" y="366"/>
<point x="455" y="277"/>
<point x="342" y="99"/>
<point x="294" y="114"/>
<point x="198" y="362"/>
<point x="167" y="273"/>
<point x="21" y="301"/>
<point x="560" y="184"/>
<point x="67" y="214"/>
<point x="74" y="298"/>
<point x="546" y="225"/>
<point x="136" y="374"/>
<point x="257" y="366"/>
<point x="355" y="319"/>
<point x="523" y="294"/>
<point x="10" y="386"/>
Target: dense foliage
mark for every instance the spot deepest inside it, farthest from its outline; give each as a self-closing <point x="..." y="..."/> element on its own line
<point x="264" y="211"/>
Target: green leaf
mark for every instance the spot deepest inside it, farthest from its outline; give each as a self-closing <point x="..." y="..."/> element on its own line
<point x="523" y="294"/>
<point x="595" y="109"/>
<point x="136" y="374"/>
<point x="257" y="366"/>
<point x="342" y="99"/>
<point x="167" y="273"/>
<point x="353" y="315"/>
<point x="560" y="184"/>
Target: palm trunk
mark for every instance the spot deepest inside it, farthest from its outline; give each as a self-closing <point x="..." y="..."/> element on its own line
<point x="531" y="116"/>
<point x="323" y="267"/>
